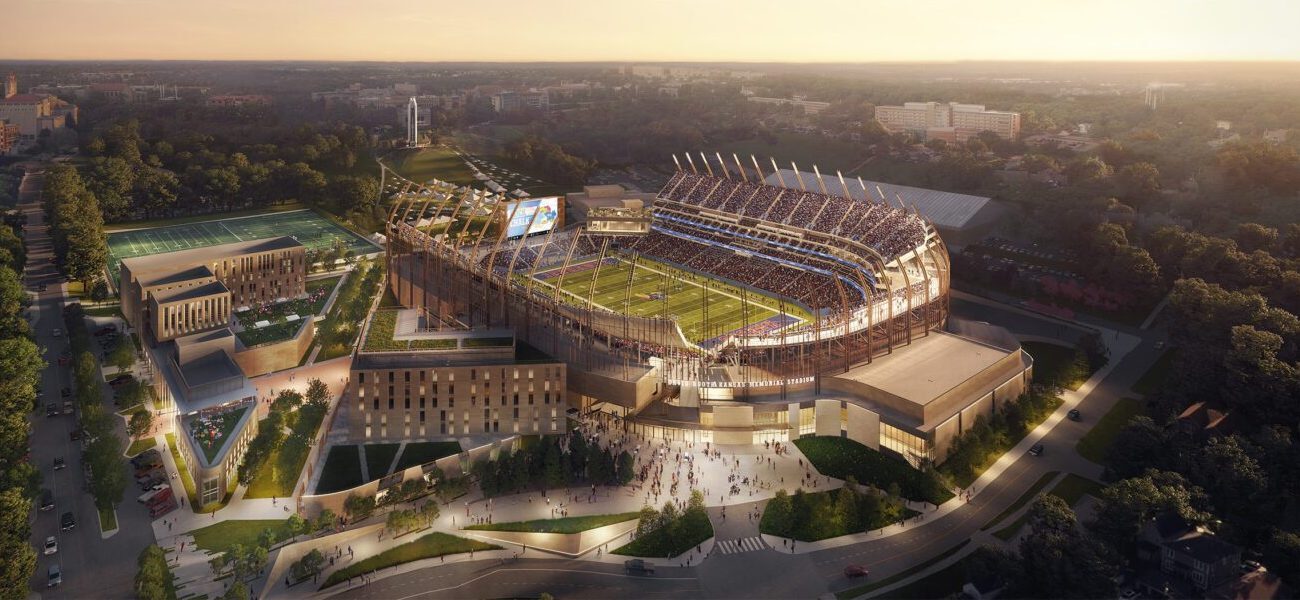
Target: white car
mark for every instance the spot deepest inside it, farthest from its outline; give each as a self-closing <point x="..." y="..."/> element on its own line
<point x="51" y="545"/>
<point x="56" y="332"/>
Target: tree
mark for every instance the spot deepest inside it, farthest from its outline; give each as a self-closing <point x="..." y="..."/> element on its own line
<point x="1253" y="236"/>
<point x="1059" y="560"/>
<point x="141" y="423"/>
<point x="1139" y="183"/>
<point x="122" y="355"/>
<point x="1127" y="505"/>
<point x="237" y="591"/>
<point x="153" y="578"/>
<point x="308" y="566"/>
<point x="358" y="507"/>
<point x="317" y="392"/>
<point x="1282" y="552"/>
<point x="17" y="558"/>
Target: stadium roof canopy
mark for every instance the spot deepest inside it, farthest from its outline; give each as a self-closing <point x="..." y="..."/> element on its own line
<point x="948" y="210"/>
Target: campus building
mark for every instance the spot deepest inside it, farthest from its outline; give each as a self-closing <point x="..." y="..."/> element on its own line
<point x="505" y="102"/>
<point x="951" y="122"/>
<point x="251" y="272"/>
<point x="181" y="304"/>
<point x="34" y="113"/>
<point x="412" y="381"/>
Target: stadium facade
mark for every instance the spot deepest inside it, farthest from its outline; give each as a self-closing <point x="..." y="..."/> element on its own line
<point x="732" y="311"/>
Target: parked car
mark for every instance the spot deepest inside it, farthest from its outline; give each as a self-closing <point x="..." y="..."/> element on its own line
<point x="65" y="393"/>
<point x="51" y="545"/>
<point x="155" y="479"/>
<point x="148" y="456"/>
<point x="58" y="463"/>
<point x="638" y="566"/>
<point x="51" y="410"/>
<point x="77" y="434"/>
<point x="1075" y="415"/>
<point x="56" y="332"/>
<point x="55" y="576"/>
<point x="67" y="521"/>
<point x="855" y="571"/>
<point x="47" y="500"/>
<point x="162" y="508"/>
<point x="1036" y="450"/>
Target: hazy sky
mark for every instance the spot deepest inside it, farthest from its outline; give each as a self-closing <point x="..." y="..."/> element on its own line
<point x="663" y="30"/>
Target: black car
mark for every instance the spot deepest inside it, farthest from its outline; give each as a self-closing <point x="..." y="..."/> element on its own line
<point x="51" y="410"/>
<point x="77" y="434"/>
<point x="47" y="500"/>
<point x="58" y="463"/>
<point x="1036" y="450"/>
<point x="67" y="521"/>
<point x="1074" y="415"/>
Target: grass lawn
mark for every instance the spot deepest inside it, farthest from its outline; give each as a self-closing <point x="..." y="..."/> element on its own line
<point x="1094" y="444"/>
<point x="379" y="457"/>
<point x="111" y="310"/>
<point x="276" y="332"/>
<point x="139" y="446"/>
<point x="1155" y="377"/>
<point x="1024" y="499"/>
<point x="107" y="519"/>
<point x="564" y="525"/>
<point x="277" y="476"/>
<point x="418" y="453"/>
<point x="875" y="585"/>
<point x="219" y="537"/>
<point x="184" y="472"/>
<point x="694" y="529"/>
<point x="342" y="470"/>
<point x="944" y="583"/>
<point x="432" y="545"/>
<point x="1054" y="364"/>
<point x="438" y="162"/>
<point x="1075" y="487"/>
<point x="840" y="457"/>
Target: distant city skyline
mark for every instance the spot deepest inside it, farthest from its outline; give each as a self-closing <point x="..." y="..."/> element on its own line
<point x="653" y="30"/>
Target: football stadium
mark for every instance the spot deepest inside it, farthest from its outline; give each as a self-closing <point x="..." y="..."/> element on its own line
<point x="721" y="308"/>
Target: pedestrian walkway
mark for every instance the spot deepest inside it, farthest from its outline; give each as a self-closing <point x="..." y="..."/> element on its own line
<point x="749" y="544"/>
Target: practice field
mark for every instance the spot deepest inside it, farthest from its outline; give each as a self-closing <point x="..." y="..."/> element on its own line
<point x="664" y="291"/>
<point x="310" y="229"/>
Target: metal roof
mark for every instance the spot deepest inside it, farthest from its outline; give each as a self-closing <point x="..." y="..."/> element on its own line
<point x="948" y="210"/>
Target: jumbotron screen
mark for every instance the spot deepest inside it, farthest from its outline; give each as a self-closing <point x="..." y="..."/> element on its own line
<point x="546" y="209"/>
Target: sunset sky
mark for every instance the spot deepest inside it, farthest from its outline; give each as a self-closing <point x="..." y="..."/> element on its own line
<point x="652" y="30"/>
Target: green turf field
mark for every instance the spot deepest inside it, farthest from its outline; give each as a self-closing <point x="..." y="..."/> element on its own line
<point x="683" y="296"/>
<point x="429" y="163"/>
<point x="309" y="228"/>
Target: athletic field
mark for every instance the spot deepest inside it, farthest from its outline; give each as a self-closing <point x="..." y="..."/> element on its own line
<point x="310" y="229"/>
<point x="663" y="291"/>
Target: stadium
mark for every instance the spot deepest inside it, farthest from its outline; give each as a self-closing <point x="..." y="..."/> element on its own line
<point x="729" y="310"/>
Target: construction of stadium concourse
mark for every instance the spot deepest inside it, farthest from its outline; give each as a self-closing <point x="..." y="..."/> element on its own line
<point x="852" y="335"/>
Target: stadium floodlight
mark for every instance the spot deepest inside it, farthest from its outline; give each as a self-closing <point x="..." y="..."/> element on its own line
<point x="777" y="170"/>
<point x="692" y="163"/>
<point x="798" y="176"/>
<point x="743" y="176"/>
<point x="706" y="163"/>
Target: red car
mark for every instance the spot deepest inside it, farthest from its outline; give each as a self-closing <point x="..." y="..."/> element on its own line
<point x="855" y="571"/>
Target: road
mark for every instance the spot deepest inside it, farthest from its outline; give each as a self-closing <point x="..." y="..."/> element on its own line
<point x="93" y="567"/>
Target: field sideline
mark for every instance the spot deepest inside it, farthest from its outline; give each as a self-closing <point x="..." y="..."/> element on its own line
<point x="662" y="290"/>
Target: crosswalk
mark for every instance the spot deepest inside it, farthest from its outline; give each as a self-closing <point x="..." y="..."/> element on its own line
<point x="748" y="544"/>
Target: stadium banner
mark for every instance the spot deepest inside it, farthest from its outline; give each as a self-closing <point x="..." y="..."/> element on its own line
<point x="547" y="211"/>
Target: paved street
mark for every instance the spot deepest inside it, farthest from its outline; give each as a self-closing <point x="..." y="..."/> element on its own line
<point x="92" y="566"/>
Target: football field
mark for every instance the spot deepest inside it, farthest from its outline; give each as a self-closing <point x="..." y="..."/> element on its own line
<point x="310" y="229"/>
<point x="660" y="290"/>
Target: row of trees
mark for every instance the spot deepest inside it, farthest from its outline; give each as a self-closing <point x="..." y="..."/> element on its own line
<point x="817" y="516"/>
<point x="549" y="159"/>
<point x="553" y="462"/>
<point x="20" y="371"/>
<point x="402" y="521"/>
<point x="351" y="306"/>
<point x="76" y="224"/>
<point x="670" y="531"/>
<point x="153" y="577"/>
<point x="103" y="454"/>
<point x="990" y="437"/>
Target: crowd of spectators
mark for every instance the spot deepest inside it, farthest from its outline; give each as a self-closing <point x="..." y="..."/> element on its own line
<point x="890" y="231"/>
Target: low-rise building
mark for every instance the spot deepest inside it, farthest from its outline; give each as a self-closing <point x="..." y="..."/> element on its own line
<point x="410" y="381"/>
<point x="505" y="102"/>
<point x="953" y="121"/>
<point x="810" y="107"/>
<point x="1188" y="552"/>
<point x="34" y="113"/>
